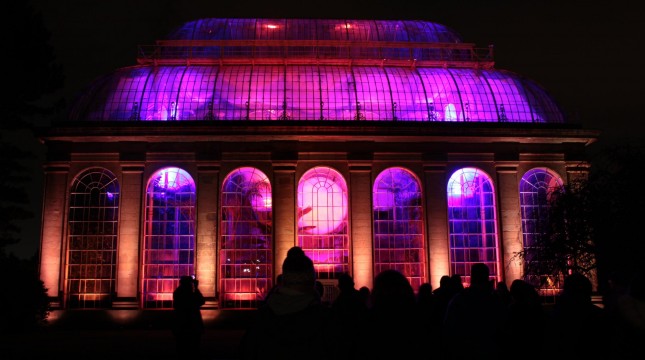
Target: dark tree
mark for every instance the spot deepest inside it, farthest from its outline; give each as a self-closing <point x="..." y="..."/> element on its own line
<point x="31" y="74"/>
<point x="592" y="225"/>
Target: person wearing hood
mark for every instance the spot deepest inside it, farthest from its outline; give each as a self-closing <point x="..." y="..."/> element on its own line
<point x="292" y="323"/>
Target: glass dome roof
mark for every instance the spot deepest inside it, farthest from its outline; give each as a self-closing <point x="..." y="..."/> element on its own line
<point x="301" y="69"/>
<point x="315" y="29"/>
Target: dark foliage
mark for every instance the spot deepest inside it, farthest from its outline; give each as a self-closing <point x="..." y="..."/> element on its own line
<point x="24" y="304"/>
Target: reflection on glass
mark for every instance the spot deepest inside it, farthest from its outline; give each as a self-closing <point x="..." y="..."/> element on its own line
<point x="398" y="225"/>
<point x="245" y="257"/>
<point x="322" y="221"/>
<point x="472" y="222"/>
<point x="536" y="188"/>
<point x="169" y="235"/>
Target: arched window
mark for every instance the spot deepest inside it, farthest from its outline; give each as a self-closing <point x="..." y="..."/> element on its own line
<point x="472" y="222"/>
<point x="536" y="188"/>
<point x="245" y="257"/>
<point x="398" y="225"/>
<point x="322" y="211"/>
<point x="92" y="236"/>
<point x="169" y="235"/>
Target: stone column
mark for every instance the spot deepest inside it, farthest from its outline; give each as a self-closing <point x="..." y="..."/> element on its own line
<point x="437" y="220"/>
<point x="207" y="224"/>
<point x="53" y="229"/>
<point x="510" y="221"/>
<point x="130" y="219"/>
<point x="360" y="182"/>
<point x="284" y="211"/>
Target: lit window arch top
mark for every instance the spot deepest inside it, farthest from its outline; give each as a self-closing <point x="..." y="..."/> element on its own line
<point x="322" y="201"/>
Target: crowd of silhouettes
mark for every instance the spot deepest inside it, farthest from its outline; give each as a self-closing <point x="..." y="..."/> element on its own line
<point x="485" y="319"/>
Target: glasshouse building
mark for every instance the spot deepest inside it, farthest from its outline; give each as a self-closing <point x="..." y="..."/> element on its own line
<point x="371" y="144"/>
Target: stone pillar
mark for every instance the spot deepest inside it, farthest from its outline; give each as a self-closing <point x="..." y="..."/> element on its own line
<point x="510" y="222"/>
<point x="435" y="183"/>
<point x="360" y="182"/>
<point x="53" y="229"/>
<point x="207" y="224"/>
<point x="130" y="219"/>
<point x="284" y="211"/>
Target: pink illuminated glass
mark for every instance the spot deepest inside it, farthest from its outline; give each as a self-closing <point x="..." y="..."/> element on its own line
<point x="169" y="235"/>
<point x="92" y="238"/>
<point x="536" y="188"/>
<point x="322" y="221"/>
<point x="472" y="222"/>
<point x="398" y="225"/>
<point x="246" y="257"/>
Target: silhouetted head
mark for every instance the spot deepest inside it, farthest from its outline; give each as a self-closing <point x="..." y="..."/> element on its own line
<point x="186" y="281"/>
<point x="345" y="282"/>
<point x="577" y="286"/>
<point x="298" y="269"/>
<point x="444" y="282"/>
<point x="479" y="274"/>
<point x="392" y="292"/>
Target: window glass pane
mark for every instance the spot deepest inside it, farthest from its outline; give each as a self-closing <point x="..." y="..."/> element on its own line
<point x="246" y="238"/>
<point x="472" y="222"/>
<point x="91" y="264"/>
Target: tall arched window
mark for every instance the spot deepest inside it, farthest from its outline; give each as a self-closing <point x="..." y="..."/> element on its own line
<point x="472" y="222"/>
<point x="322" y="221"/>
<point x="92" y="235"/>
<point x="398" y="225"/>
<point x="246" y="238"/>
<point x="169" y="235"/>
<point x="536" y="188"/>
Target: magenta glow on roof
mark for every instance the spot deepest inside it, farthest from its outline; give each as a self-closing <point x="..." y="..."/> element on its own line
<point x="297" y="69"/>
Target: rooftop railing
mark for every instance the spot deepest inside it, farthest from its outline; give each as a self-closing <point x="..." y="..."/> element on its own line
<point x="315" y="52"/>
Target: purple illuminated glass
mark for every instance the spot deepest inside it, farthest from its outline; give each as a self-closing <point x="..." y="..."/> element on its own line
<point x="92" y="236"/>
<point x="246" y="238"/>
<point x="398" y="225"/>
<point x="305" y="92"/>
<point x="169" y="235"/>
<point x="472" y="222"/>
<point x="536" y="188"/>
<point x="322" y="221"/>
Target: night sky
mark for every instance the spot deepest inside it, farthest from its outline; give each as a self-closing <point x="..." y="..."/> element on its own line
<point x="588" y="57"/>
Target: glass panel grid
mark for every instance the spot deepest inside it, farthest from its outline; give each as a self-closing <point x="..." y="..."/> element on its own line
<point x="476" y="99"/>
<point x="322" y="221"/>
<point x="92" y="237"/>
<point x="246" y="258"/>
<point x="408" y="95"/>
<point x="536" y="188"/>
<point x="373" y="99"/>
<point x="169" y="235"/>
<point x="398" y="225"/>
<point x="472" y="223"/>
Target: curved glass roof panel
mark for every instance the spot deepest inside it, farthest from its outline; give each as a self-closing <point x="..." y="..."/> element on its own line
<point x="309" y="92"/>
<point x="325" y="29"/>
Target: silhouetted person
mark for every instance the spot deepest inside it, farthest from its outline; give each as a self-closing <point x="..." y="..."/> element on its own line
<point x="474" y="315"/>
<point x="188" y="325"/>
<point x="502" y="293"/>
<point x="425" y="301"/>
<point x="292" y="324"/>
<point x="457" y="283"/>
<point x="578" y="327"/>
<point x="391" y="327"/>
<point x="628" y="320"/>
<point x="364" y="293"/>
<point x="524" y="328"/>
<point x="349" y="314"/>
<point x="442" y="296"/>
